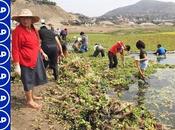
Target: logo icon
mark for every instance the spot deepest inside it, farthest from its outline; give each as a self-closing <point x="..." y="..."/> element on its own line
<point x="4" y="54"/>
<point x="4" y="98"/>
<point x="4" y="76"/>
<point x="4" y="10"/>
<point x="4" y="120"/>
<point x="4" y="32"/>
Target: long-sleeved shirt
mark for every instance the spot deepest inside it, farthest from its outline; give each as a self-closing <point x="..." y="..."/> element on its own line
<point x="25" y="46"/>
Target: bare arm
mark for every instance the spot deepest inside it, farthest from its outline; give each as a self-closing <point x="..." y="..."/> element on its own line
<point x="59" y="45"/>
<point x="122" y="54"/>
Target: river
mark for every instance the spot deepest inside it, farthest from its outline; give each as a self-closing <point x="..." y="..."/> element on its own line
<point x="159" y="95"/>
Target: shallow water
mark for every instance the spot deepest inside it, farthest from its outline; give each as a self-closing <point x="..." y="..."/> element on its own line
<point x="158" y="96"/>
<point x="170" y="58"/>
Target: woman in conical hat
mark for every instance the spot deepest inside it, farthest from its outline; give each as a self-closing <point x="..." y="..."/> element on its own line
<point x="27" y="55"/>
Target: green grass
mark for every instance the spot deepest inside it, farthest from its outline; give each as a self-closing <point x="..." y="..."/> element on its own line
<point x="151" y="37"/>
<point x="80" y="100"/>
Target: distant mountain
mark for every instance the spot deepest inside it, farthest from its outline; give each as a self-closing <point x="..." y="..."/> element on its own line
<point x="147" y="9"/>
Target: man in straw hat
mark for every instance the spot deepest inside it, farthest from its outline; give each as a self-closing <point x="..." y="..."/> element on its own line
<point x="27" y="55"/>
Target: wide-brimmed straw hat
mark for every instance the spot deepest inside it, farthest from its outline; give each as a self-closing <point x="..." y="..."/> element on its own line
<point x="26" y="13"/>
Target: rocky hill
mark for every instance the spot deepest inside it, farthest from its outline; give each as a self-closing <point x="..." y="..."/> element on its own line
<point x="51" y="13"/>
<point x="147" y="9"/>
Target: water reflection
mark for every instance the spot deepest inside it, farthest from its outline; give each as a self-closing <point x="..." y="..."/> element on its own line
<point x="158" y="97"/>
<point x="161" y="58"/>
<point x="142" y="88"/>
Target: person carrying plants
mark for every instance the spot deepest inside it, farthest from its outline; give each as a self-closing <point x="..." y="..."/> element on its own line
<point x="98" y="49"/>
<point x="142" y="62"/>
<point x="118" y="47"/>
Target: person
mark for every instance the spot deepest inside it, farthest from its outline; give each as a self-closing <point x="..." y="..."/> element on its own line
<point x="64" y="46"/>
<point x="63" y="34"/>
<point x="51" y="27"/>
<point x="27" y="55"/>
<point x="142" y="62"/>
<point x="118" y="47"/>
<point x="51" y="46"/>
<point x="98" y="49"/>
<point x="58" y="31"/>
<point x="84" y="42"/>
<point x="76" y="44"/>
<point x="161" y="51"/>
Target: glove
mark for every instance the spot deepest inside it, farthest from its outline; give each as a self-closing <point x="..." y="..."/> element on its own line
<point x="17" y="69"/>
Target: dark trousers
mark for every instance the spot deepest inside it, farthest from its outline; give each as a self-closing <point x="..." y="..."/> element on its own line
<point x="52" y="53"/>
<point x="113" y="61"/>
<point x="97" y="52"/>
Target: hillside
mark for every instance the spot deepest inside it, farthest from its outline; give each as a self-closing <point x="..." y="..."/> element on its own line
<point x="52" y="14"/>
<point x="149" y="9"/>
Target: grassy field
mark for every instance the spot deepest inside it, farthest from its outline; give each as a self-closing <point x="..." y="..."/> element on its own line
<point x="80" y="101"/>
<point x="151" y="37"/>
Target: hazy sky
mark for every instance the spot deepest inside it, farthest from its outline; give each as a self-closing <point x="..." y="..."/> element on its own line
<point x="95" y="7"/>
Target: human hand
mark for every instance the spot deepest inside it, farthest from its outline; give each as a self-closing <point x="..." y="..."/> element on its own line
<point x="45" y="56"/>
<point x="62" y="55"/>
<point x="137" y="59"/>
<point x="17" y="69"/>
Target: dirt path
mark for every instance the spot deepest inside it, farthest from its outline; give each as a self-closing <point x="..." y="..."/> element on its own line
<point x="24" y="118"/>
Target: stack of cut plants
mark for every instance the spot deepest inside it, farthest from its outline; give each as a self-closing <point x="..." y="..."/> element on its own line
<point x="80" y="101"/>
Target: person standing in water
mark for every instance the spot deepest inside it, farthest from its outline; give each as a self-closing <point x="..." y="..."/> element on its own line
<point x="142" y="62"/>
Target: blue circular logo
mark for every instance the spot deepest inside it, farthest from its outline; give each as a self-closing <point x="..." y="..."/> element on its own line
<point x="4" y="32"/>
<point x="4" y="54"/>
<point x="4" y="76"/>
<point x="4" y="120"/>
<point x="4" y="10"/>
<point x="4" y="98"/>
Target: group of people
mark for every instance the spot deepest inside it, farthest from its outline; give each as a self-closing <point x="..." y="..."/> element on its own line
<point x="119" y="47"/>
<point x="33" y="51"/>
<point x="81" y="43"/>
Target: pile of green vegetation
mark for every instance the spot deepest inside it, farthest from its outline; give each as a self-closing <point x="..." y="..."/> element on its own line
<point x="80" y="99"/>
